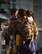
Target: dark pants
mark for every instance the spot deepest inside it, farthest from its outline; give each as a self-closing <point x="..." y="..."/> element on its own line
<point x="24" y="49"/>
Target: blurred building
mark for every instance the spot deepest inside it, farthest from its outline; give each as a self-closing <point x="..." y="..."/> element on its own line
<point x="37" y="9"/>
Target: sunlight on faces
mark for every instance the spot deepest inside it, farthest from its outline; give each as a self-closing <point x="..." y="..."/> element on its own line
<point x="30" y="19"/>
<point x="16" y="13"/>
<point x="24" y="16"/>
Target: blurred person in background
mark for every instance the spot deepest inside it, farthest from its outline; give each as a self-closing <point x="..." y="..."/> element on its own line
<point x="9" y="35"/>
<point x="4" y="26"/>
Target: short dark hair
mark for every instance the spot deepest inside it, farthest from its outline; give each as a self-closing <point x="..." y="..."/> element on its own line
<point x="13" y="11"/>
<point x="21" y="12"/>
<point x="28" y="12"/>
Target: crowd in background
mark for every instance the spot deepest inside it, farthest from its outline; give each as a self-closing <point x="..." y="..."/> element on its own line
<point x="21" y="33"/>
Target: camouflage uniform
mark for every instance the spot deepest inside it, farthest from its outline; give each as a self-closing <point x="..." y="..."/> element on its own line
<point x="21" y="26"/>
